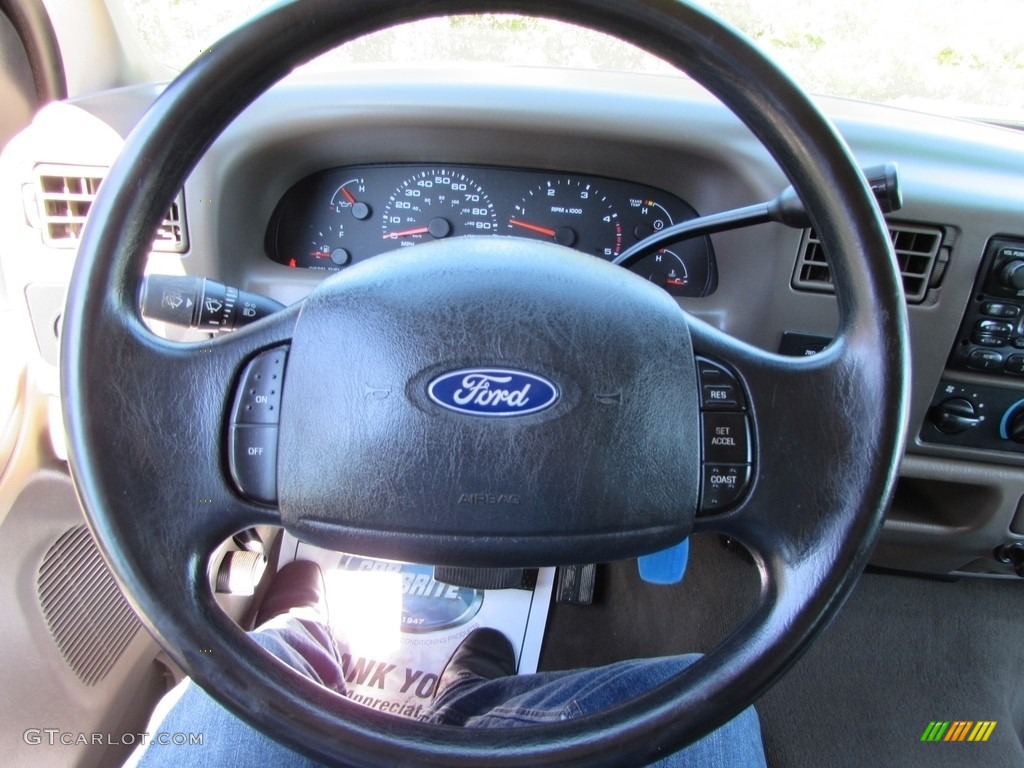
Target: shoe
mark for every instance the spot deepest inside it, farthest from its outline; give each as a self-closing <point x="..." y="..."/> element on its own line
<point x="298" y="589"/>
<point x="485" y="654"/>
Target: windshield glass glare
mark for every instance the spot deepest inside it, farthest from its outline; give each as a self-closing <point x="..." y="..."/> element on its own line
<point x="951" y="56"/>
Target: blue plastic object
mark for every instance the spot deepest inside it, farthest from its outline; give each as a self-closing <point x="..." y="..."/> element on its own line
<point x="667" y="566"/>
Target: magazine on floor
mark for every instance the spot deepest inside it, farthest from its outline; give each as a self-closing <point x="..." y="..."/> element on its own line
<point x="398" y="626"/>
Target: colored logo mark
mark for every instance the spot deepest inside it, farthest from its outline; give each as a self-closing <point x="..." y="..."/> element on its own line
<point x="958" y="730"/>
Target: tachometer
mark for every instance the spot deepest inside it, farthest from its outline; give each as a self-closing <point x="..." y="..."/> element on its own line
<point x="569" y="212"/>
<point x="435" y="204"/>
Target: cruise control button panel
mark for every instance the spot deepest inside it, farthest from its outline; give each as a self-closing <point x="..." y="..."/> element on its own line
<point x="727" y="439"/>
<point x="253" y="431"/>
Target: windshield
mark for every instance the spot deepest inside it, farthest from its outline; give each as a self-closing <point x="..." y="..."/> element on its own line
<point x="953" y="56"/>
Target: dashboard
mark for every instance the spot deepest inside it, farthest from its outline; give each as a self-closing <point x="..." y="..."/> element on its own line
<point x="320" y="174"/>
<point x="342" y="216"/>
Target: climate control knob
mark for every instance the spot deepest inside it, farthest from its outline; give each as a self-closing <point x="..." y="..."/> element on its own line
<point x="1014" y="425"/>
<point x="954" y="415"/>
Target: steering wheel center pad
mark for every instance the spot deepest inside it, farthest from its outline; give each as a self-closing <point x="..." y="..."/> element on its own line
<point x="563" y="370"/>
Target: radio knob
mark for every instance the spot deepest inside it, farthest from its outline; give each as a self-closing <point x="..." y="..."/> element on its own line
<point x="1012" y="275"/>
<point x="956" y="414"/>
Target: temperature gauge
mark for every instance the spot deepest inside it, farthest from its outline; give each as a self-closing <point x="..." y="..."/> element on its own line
<point x="667" y="270"/>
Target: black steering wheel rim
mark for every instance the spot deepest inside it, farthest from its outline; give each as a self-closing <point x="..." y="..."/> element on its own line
<point x="811" y="545"/>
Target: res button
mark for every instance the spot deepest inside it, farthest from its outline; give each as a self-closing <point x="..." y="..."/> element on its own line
<point x="719" y="389"/>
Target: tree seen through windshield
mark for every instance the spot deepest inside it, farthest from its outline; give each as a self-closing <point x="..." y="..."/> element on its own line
<point x="955" y="56"/>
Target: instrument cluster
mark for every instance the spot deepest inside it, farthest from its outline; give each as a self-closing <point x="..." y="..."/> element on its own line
<point x="341" y="216"/>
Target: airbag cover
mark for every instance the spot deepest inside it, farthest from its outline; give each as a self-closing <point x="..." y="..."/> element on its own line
<point x="490" y="401"/>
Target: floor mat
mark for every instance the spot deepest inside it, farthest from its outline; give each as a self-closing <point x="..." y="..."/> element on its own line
<point x="903" y="653"/>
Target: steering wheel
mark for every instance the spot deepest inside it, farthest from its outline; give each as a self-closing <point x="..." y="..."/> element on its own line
<point x="609" y="468"/>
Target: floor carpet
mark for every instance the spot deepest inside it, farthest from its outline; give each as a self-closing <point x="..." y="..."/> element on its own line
<point x="902" y="653"/>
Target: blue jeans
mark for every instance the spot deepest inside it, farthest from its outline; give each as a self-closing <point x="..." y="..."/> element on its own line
<point x="309" y="648"/>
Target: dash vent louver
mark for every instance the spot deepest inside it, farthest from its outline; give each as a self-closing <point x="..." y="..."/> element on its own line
<point x="918" y="253"/>
<point x="65" y="195"/>
<point x="87" y="615"/>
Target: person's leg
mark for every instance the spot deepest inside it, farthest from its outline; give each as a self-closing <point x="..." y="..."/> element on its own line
<point x="303" y="645"/>
<point x="293" y="626"/>
<point x="478" y="689"/>
<point x="475" y="701"/>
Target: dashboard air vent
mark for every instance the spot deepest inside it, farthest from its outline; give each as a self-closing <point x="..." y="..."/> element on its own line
<point x="917" y="251"/>
<point x="66" y="193"/>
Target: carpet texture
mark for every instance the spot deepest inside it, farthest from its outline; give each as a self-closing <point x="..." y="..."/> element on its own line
<point x="903" y="652"/>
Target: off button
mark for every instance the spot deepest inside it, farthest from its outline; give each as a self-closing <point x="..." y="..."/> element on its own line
<point x="252" y="456"/>
<point x="726" y="440"/>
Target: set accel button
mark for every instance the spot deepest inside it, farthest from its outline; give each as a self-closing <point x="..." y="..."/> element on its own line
<point x="725" y="438"/>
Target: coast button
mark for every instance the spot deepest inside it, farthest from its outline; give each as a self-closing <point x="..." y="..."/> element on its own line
<point x="723" y="486"/>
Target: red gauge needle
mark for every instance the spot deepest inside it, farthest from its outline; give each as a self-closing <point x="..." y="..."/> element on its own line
<point x="406" y="233"/>
<point x="348" y="195"/>
<point x="532" y="227"/>
<point x="675" y="281"/>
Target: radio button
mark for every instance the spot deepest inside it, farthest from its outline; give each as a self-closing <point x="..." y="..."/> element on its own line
<point x="985" y="360"/>
<point x="1015" y="364"/>
<point x="988" y="340"/>
<point x="995" y="309"/>
<point x="994" y="327"/>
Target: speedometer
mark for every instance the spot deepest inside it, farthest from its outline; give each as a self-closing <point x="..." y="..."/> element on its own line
<point x="434" y="204"/>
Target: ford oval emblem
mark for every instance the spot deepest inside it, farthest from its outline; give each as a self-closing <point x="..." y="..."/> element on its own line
<point x="492" y="392"/>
